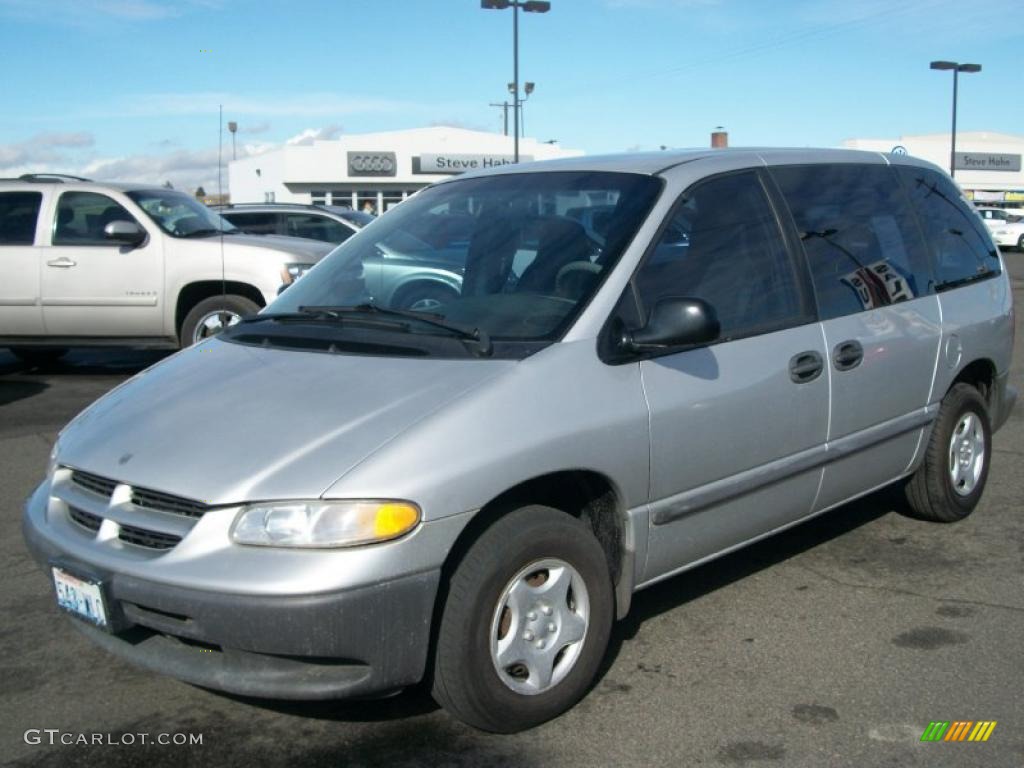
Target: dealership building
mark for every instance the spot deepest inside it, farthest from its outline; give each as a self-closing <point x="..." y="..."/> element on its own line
<point x="379" y="169"/>
<point x="988" y="165"/>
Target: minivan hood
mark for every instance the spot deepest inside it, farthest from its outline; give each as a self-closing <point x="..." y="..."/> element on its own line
<point x="311" y="251"/>
<point x="223" y="423"/>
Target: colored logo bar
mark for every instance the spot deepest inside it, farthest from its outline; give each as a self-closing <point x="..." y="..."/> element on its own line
<point x="958" y="730"/>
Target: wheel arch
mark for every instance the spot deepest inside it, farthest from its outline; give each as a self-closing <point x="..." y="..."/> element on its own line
<point x="192" y="293"/>
<point x="585" y="494"/>
<point x="980" y="374"/>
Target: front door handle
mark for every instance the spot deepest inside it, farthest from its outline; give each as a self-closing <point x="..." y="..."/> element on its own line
<point x="847" y="355"/>
<point x="805" y="366"/>
<point x="64" y="262"/>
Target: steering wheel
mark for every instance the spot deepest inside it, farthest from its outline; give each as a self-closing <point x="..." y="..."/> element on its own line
<point x="587" y="267"/>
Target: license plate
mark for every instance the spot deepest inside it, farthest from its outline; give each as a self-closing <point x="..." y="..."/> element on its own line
<point x="80" y="597"/>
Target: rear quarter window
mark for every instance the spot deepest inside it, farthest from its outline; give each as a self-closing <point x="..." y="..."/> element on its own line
<point x="961" y="249"/>
<point x="19" y="213"/>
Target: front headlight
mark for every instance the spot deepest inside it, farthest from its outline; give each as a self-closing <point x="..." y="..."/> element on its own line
<point x="293" y="272"/>
<point x="321" y="524"/>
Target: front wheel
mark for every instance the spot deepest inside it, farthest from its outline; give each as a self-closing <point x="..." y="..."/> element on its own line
<point x="211" y="316"/>
<point x="948" y="484"/>
<point x="1020" y="243"/>
<point x="526" y="622"/>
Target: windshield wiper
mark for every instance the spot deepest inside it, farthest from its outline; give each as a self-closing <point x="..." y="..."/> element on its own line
<point x="478" y="336"/>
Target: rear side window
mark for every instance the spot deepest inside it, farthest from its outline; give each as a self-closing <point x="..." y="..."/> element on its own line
<point x="962" y="250"/>
<point x="857" y="227"/>
<point x="723" y="245"/>
<point x="254" y="223"/>
<point x="82" y="217"/>
<point x="19" y="212"/>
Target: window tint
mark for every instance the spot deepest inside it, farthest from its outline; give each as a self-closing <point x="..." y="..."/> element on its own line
<point x="723" y="245"/>
<point x="961" y="248"/>
<point x="81" y="217"/>
<point x="19" y="212"/>
<point x="253" y="223"/>
<point x="316" y="227"/>
<point x="862" y="244"/>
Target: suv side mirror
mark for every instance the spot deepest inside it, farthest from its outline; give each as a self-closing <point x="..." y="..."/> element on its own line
<point x="126" y="232"/>
<point x="674" y="322"/>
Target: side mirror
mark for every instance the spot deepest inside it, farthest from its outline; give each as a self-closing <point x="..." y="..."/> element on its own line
<point x="125" y="232"/>
<point x="674" y="322"/>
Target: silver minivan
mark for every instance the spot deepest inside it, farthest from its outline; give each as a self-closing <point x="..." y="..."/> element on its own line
<point x="361" y="497"/>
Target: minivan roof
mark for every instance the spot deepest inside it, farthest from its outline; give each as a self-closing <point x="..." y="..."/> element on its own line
<point x="653" y="163"/>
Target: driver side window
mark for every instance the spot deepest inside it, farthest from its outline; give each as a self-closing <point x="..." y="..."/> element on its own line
<point x="82" y="216"/>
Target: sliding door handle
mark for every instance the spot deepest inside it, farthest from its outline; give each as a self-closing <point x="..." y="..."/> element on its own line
<point x="847" y="355"/>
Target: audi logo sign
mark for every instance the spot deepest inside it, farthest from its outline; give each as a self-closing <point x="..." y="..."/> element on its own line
<point x="372" y="164"/>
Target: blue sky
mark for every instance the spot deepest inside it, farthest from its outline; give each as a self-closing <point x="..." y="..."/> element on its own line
<point x="130" y="88"/>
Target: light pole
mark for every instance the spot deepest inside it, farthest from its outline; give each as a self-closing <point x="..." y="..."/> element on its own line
<point x="504" y="106"/>
<point x="528" y="6"/>
<point x="957" y="69"/>
<point x="233" y="127"/>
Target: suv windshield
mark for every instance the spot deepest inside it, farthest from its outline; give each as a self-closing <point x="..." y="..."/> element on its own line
<point x="515" y="256"/>
<point x="180" y="215"/>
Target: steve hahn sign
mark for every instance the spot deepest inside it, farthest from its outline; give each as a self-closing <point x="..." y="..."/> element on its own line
<point x="429" y="163"/>
<point x="986" y="161"/>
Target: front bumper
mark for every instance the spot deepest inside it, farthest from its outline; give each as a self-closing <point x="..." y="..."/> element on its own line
<point x="356" y="642"/>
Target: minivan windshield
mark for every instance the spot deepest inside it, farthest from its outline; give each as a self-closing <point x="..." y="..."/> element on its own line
<point x="514" y="256"/>
<point x="180" y="215"/>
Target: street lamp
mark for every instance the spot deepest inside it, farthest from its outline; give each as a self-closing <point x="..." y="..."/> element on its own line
<point x="528" y="6"/>
<point x="233" y="127"/>
<point x="957" y="69"/>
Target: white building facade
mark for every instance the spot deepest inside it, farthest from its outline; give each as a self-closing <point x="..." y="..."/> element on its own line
<point x="988" y="165"/>
<point x="374" y="171"/>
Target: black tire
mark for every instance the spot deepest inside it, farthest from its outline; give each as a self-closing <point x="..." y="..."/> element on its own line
<point x="427" y="295"/>
<point x="229" y="304"/>
<point x="466" y="681"/>
<point x="1020" y="243"/>
<point x="930" y="492"/>
<point x="40" y="356"/>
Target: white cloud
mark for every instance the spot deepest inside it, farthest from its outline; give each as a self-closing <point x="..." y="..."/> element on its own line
<point x="47" y="148"/>
<point x="308" y="136"/>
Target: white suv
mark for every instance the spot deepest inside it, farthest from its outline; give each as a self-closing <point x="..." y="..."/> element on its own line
<point x="1006" y="226"/>
<point x="84" y="263"/>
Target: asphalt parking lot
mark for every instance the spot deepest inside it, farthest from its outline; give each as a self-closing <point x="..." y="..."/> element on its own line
<point x="833" y="644"/>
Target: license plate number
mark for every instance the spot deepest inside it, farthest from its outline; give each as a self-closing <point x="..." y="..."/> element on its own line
<point x="80" y="597"/>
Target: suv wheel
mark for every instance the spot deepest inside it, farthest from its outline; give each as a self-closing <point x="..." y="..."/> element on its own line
<point x="948" y="485"/>
<point x="526" y="622"/>
<point x="1020" y="243"/>
<point x="211" y="316"/>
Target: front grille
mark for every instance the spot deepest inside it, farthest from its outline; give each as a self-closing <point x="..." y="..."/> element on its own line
<point x="164" y="502"/>
<point x="98" y="485"/>
<point x="141" y="537"/>
<point x="84" y="519"/>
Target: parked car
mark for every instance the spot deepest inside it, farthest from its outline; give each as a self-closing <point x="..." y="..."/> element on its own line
<point x="474" y="494"/>
<point x="1007" y="228"/>
<point x="328" y="224"/>
<point x="418" y="268"/>
<point x="85" y="263"/>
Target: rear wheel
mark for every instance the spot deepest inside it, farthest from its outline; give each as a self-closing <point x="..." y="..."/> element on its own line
<point x="39" y="355"/>
<point x="211" y="316"/>
<point x="526" y="622"/>
<point x="1020" y="243"/>
<point x="948" y="484"/>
